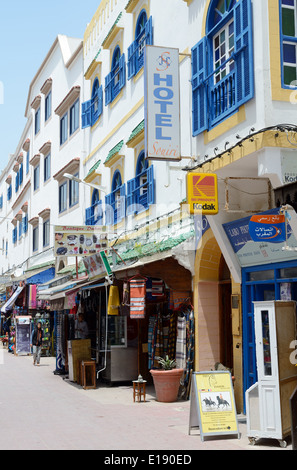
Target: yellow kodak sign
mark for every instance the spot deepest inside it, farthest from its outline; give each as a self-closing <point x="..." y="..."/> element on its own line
<point x="202" y="193"/>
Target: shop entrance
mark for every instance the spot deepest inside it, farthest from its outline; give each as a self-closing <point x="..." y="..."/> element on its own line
<point x="213" y="288"/>
<point x="272" y="282"/>
<point x="226" y="339"/>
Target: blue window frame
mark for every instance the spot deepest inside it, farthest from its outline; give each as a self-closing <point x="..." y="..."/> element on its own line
<point x="92" y="109"/>
<point x="14" y="235"/>
<point x="48" y="106"/>
<point x="143" y="37"/>
<point x="288" y="39"/>
<point x="36" y="178"/>
<point x="27" y="162"/>
<point x="20" y="228"/>
<point x="21" y="174"/>
<point x="116" y="79"/>
<point x="63" y="197"/>
<point x="94" y="214"/>
<point x="47" y="167"/>
<point x="73" y="192"/>
<point x="25" y="224"/>
<point x="141" y="189"/>
<point x="74" y="117"/>
<point x="35" y="238"/>
<point x="64" y="128"/>
<point x="222" y="64"/>
<point x="37" y="121"/>
<point x="9" y="192"/>
<point x="115" y="202"/>
<point x="17" y="182"/>
<point x="46" y="233"/>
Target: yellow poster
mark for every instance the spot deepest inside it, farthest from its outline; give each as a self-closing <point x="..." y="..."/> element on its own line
<point x="216" y="404"/>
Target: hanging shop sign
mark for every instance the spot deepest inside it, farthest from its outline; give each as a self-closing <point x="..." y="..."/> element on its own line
<point x="162" y="103"/>
<point x="266" y="227"/>
<point x="137" y="297"/>
<point x="212" y="406"/>
<point x="79" y="240"/>
<point x="202" y="193"/>
<point x="97" y="265"/>
<point x="253" y="253"/>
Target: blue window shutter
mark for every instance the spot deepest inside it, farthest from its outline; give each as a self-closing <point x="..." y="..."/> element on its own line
<point x="122" y="65"/>
<point x="199" y="87"/>
<point x="108" y="209"/>
<point x="17" y="182"/>
<point x="132" y="59"/>
<point x="21" y="173"/>
<point x="149" y="32"/>
<point x="151" y="186"/>
<point x="122" y="208"/>
<point x="86" y="114"/>
<point x="100" y="100"/>
<point x="108" y="88"/>
<point x="244" y="51"/>
<point x="25" y="224"/>
<point x="131" y="196"/>
<point x="89" y="216"/>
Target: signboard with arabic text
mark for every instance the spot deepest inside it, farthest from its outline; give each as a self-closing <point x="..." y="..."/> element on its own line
<point x="268" y="227"/>
<point x="79" y="240"/>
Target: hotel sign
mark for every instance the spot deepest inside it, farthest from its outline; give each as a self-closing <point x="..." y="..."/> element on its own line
<point x="202" y="193"/>
<point x="162" y="103"/>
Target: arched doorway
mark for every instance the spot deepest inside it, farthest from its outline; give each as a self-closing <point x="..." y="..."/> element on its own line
<point x="212" y="298"/>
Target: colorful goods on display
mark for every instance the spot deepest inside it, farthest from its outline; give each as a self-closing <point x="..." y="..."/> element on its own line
<point x="137" y="297"/>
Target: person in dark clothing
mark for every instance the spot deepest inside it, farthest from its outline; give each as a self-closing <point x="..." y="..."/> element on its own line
<point x="36" y="343"/>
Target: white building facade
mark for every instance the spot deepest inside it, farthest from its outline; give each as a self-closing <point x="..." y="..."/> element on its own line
<point x="34" y="194"/>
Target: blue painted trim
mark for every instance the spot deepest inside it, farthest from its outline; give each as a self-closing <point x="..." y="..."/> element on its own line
<point x="283" y="38"/>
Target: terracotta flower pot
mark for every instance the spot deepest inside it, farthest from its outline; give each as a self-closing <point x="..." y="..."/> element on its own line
<point x="166" y="384"/>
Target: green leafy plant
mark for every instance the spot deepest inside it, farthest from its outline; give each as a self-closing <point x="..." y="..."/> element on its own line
<point x="166" y="364"/>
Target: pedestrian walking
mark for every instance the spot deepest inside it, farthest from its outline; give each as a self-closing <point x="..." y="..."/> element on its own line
<point x="36" y="343"/>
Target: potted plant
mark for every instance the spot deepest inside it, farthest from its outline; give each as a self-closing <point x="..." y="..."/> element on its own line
<point x="166" y="380"/>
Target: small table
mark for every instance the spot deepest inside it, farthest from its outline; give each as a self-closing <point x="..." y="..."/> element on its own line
<point x="139" y="389"/>
<point x="88" y="372"/>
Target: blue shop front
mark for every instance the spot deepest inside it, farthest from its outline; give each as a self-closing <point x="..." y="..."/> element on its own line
<point x="268" y="272"/>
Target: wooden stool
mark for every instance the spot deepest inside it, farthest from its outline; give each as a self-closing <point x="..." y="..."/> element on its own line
<point x="88" y="370"/>
<point x="139" y="389"/>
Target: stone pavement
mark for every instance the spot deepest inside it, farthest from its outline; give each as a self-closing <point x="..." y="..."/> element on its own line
<point x="43" y="411"/>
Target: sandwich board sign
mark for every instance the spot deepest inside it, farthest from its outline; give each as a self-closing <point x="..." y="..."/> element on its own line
<point x="212" y="407"/>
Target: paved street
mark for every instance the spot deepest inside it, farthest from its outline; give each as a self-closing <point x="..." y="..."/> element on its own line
<point x="40" y="410"/>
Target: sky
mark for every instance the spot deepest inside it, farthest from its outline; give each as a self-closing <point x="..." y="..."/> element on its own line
<point x="28" y="29"/>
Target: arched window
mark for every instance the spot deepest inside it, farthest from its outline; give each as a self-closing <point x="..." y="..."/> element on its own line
<point x="143" y="37"/>
<point x="222" y="64"/>
<point x="115" y="202"/>
<point x="92" y="109"/>
<point x="96" y="101"/>
<point x="94" y="214"/>
<point x="141" y="189"/>
<point x="116" y="79"/>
